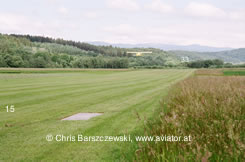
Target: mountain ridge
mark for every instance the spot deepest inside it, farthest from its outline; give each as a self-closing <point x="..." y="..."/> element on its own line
<point x="236" y="56"/>
<point x="165" y="47"/>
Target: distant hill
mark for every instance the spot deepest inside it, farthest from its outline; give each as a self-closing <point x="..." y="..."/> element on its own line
<point x="165" y="47"/>
<point x="194" y="52"/>
<point x="233" y="56"/>
<point x="45" y="52"/>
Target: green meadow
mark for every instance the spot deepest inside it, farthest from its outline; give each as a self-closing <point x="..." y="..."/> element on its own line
<point x="234" y="72"/>
<point x="42" y="99"/>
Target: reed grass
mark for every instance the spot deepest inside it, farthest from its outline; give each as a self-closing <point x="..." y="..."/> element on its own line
<point x="211" y="110"/>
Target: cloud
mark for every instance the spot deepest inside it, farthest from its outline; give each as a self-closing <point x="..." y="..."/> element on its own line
<point x="52" y="1"/>
<point x="216" y="33"/>
<point x="219" y="27"/>
<point x="130" y="5"/>
<point x="121" y="29"/>
<point x="237" y="15"/>
<point x="90" y="14"/>
<point x="63" y="10"/>
<point x="204" y="10"/>
<point x="20" y="24"/>
<point x="159" y="6"/>
<point x="12" y="22"/>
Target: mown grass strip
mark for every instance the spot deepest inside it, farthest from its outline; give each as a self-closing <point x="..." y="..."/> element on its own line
<point x="42" y="100"/>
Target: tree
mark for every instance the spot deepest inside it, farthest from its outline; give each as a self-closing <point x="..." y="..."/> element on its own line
<point x="39" y="62"/>
<point x="17" y="62"/>
<point x="205" y="63"/>
<point x="2" y="62"/>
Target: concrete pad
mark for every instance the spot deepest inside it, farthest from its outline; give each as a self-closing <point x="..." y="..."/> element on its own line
<point x="82" y="116"/>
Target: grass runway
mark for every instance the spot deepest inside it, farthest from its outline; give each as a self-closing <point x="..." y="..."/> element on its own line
<point x="41" y="100"/>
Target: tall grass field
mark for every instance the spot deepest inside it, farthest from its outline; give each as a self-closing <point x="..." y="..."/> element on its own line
<point x="211" y="109"/>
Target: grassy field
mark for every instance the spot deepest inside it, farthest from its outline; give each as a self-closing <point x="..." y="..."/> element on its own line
<point x="42" y="99"/>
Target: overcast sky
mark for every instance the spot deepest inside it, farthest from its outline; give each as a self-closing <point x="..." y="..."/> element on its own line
<point x="219" y="23"/>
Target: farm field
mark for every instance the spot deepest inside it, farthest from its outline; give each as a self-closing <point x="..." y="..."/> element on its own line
<point x="41" y="100"/>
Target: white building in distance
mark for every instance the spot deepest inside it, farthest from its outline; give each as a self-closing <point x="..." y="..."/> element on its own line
<point x="185" y="59"/>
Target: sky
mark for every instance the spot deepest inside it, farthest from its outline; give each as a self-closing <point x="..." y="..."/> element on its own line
<point x="218" y="23"/>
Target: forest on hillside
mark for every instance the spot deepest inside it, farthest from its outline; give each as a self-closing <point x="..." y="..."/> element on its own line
<point x="43" y="52"/>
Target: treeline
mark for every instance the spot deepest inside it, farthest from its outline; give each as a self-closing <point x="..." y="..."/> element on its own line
<point x="206" y="64"/>
<point x="212" y="64"/>
<point x="46" y="60"/>
<point x="21" y="52"/>
<point x="104" y="50"/>
<point x="229" y="65"/>
<point x="101" y="62"/>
